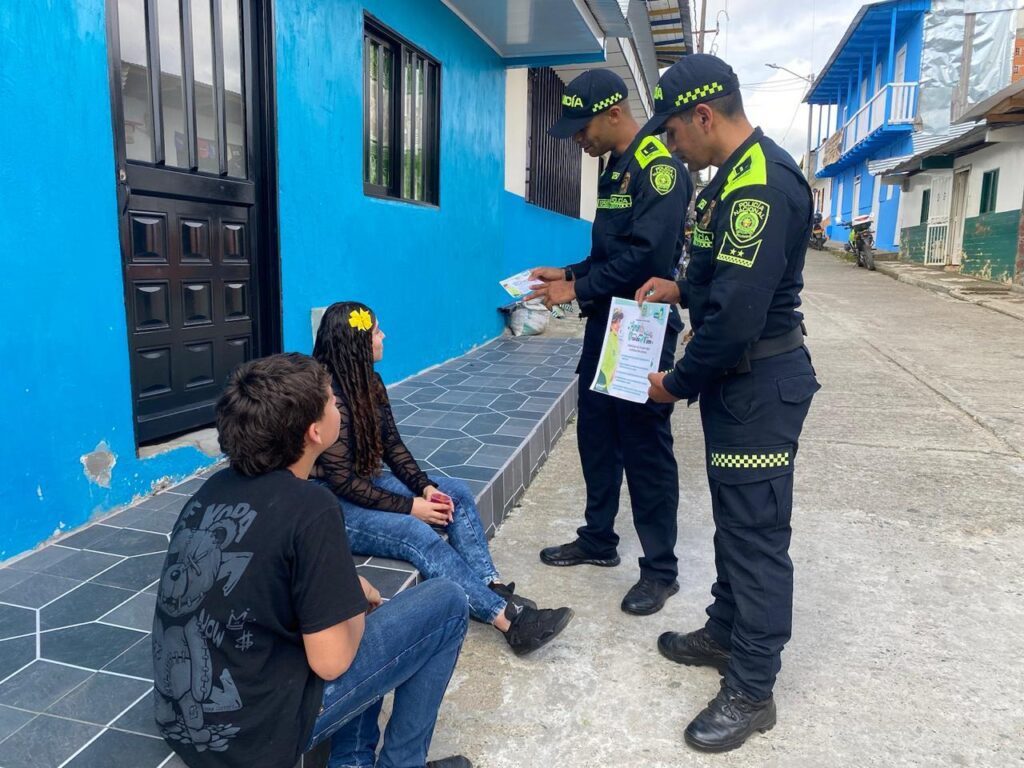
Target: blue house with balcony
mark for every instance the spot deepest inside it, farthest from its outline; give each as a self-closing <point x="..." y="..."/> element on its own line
<point x="867" y="97"/>
<point x="204" y="175"/>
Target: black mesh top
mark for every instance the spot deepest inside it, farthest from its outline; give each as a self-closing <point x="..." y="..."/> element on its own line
<point x="337" y="467"/>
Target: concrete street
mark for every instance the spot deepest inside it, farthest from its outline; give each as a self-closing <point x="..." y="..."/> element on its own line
<point x="908" y="545"/>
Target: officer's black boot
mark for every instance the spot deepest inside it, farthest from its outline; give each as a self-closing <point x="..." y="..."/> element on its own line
<point x="648" y="596"/>
<point x="728" y="720"/>
<point x="695" y="649"/>
<point x="574" y="554"/>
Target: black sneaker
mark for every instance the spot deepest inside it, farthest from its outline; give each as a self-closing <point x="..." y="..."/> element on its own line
<point x="455" y="761"/>
<point x="573" y="554"/>
<point x="729" y="720"/>
<point x="534" y="627"/>
<point x="694" y="649"/>
<point x="507" y="592"/>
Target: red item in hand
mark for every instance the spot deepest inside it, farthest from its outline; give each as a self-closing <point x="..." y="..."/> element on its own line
<point x="440" y="498"/>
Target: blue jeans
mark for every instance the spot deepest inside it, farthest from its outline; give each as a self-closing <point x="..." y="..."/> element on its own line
<point x="410" y="645"/>
<point x="464" y="558"/>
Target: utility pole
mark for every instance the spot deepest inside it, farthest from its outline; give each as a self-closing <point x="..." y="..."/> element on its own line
<point x="700" y="29"/>
<point x="810" y="81"/>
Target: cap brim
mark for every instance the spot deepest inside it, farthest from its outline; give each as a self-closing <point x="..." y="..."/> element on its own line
<point x="566" y="127"/>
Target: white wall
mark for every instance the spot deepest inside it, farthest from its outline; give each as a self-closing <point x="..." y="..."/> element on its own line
<point x="588" y="187"/>
<point x="516" y="130"/>
<point x="1008" y="157"/>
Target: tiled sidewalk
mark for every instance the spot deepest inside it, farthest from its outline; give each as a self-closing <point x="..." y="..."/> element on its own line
<point x="75" y="663"/>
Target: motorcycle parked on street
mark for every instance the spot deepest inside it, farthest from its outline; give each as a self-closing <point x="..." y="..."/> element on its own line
<point x="818" y="236"/>
<point x="861" y="241"/>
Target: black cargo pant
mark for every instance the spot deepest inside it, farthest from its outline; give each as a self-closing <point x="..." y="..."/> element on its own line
<point x="752" y="425"/>
<point x="618" y="437"/>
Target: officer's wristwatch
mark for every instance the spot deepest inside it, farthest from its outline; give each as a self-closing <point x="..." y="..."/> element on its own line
<point x="569" y="276"/>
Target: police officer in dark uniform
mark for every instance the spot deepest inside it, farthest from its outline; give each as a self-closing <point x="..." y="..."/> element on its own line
<point x="748" y="366"/>
<point x="637" y="233"/>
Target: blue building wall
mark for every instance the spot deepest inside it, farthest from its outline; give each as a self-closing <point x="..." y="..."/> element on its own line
<point x="849" y="102"/>
<point x="421" y="268"/>
<point x="431" y="272"/>
<point x="64" y="385"/>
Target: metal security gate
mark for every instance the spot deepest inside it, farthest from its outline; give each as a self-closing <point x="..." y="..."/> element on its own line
<point x="190" y="84"/>
<point x="936" y="244"/>
<point x="553" y="176"/>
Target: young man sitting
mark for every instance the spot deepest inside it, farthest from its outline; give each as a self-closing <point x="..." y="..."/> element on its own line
<point x="265" y="640"/>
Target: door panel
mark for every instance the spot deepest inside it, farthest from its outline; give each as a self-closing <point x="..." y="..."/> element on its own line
<point x="188" y="131"/>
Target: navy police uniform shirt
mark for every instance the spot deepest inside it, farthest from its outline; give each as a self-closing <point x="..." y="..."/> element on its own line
<point x="747" y="253"/>
<point x="638" y="229"/>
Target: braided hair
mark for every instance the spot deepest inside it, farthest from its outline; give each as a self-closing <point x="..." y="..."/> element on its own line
<point x="344" y="345"/>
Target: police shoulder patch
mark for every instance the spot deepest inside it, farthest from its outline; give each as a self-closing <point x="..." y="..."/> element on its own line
<point x="747" y="219"/>
<point x="740" y="254"/>
<point x="663" y="178"/>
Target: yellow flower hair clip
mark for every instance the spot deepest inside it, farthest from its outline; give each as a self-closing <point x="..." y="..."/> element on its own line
<point x="360" y="320"/>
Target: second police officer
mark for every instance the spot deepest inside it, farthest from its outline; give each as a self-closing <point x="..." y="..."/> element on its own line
<point x="638" y="232"/>
<point x="748" y="366"/>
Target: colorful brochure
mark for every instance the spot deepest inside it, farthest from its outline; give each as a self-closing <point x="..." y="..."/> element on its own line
<point x="632" y="345"/>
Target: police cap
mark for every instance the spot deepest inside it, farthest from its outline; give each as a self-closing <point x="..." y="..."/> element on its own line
<point x="585" y="97"/>
<point x="693" y="80"/>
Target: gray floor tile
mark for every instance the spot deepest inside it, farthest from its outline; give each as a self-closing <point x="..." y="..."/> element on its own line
<point x="135" y="573"/>
<point x="93" y="533"/>
<point x="46" y="742"/>
<point x="139" y="719"/>
<point x="82" y="565"/>
<point x="16" y="621"/>
<point x="137" y="613"/>
<point x="89" y="645"/>
<point x="87" y="603"/>
<point x="10" y="577"/>
<point x="387" y="581"/>
<point x="136" y="661"/>
<point x="15" y="654"/>
<point x="37" y="590"/>
<point x="38" y="686"/>
<point x="189" y="487"/>
<point x="37" y="562"/>
<point x="467" y="473"/>
<point x="115" y="748"/>
<point x="387" y="562"/>
<point x="99" y="699"/>
<point x="161" y="502"/>
<point x="145" y="520"/>
<point x="11" y="720"/>
<point x="129" y="542"/>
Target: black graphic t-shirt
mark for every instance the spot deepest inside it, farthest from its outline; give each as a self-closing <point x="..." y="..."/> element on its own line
<point x="253" y="564"/>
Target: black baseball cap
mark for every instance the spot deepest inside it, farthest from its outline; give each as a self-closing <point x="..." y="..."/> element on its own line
<point x="693" y="80"/>
<point x="585" y="97"/>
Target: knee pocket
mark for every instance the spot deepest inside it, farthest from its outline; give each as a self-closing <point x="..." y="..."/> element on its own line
<point x="751" y="487"/>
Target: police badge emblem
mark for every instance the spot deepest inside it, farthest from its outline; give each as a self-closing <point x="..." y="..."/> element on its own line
<point x="747" y="219"/>
<point x="663" y="178"/>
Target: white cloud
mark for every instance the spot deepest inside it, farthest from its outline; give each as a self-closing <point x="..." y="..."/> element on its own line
<point x="797" y="34"/>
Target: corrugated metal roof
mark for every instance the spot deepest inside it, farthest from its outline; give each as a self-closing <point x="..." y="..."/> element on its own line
<point x="672" y="29"/>
<point x="879" y="167"/>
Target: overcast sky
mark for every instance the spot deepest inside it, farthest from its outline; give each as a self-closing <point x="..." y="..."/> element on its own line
<point x="797" y="34"/>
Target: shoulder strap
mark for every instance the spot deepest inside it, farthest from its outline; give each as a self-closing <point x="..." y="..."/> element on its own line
<point x="650" y="149"/>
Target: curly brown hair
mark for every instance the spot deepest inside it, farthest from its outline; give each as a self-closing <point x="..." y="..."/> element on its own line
<point x="345" y="348"/>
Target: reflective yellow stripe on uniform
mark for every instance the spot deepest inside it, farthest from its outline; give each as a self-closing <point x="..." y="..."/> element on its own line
<point x="750" y="460"/>
<point x="750" y="169"/>
<point x="650" y="149"/>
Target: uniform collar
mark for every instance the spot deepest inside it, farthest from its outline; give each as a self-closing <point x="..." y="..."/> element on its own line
<point x="723" y="170"/>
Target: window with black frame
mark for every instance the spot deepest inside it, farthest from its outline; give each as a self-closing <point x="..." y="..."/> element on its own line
<point x="401" y="116"/>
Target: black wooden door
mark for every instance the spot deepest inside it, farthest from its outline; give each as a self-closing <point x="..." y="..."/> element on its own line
<point x="189" y="83"/>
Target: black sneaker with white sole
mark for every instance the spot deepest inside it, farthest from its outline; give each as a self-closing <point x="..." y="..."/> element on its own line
<point x="534" y="627"/>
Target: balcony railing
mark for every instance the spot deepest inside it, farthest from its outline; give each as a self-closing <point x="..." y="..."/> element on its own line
<point x="893" y="106"/>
